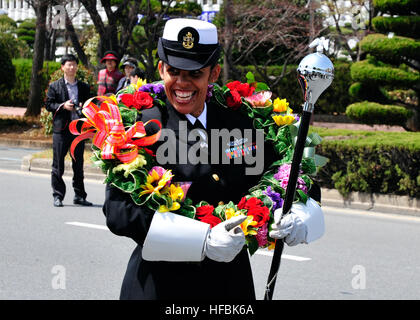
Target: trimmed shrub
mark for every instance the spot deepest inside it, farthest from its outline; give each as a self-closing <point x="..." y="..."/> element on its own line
<point x="408" y="26"/>
<point x="375" y="113"/>
<point x="19" y="93"/>
<point x="390" y="50"/>
<point x="366" y="91"/>
<point x="365" y="71"/>
<point x="399" y="7"/>
<point x="6" y="68"/>
<point x="372" y="162"/>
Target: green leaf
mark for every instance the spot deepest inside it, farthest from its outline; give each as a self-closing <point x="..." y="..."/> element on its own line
<point x="261" y="86"/>
<point x="250" y="77"/>
<point x="252" y="245"/>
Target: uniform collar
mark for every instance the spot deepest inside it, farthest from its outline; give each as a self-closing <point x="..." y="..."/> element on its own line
<point x="202" y="117"/>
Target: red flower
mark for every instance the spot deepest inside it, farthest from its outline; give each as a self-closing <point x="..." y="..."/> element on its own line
<point x="233" y="85"/>
<point x="205" y="214"/>
<point x="142" y="100"/>
<point x="245" y="90"/>
<point x="234" y="101"/>
<point x="211" y="220"/>
<point x="255" y="208"/>
<point x="204" y="210"/>
<point x="127" y="99"/>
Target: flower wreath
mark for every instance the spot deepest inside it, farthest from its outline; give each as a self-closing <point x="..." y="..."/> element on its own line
<point x="120" y="144"/>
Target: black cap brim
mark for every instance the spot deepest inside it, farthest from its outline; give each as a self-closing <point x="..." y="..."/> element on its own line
<point x="181" y="60"/>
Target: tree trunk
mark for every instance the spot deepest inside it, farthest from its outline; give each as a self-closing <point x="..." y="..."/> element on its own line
<point x="76" y="43"/>
<point x="228" y="42"/>
<point x="34" y="101"/>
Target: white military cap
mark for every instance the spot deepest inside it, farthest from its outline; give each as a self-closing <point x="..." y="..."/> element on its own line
<point x="189" y="44"/>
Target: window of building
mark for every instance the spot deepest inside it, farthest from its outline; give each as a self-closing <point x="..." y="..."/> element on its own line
<point x="215" y="1"/>
<point x="204" y="2"/>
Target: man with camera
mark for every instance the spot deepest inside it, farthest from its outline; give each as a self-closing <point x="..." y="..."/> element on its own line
<point x="65" y="98"/>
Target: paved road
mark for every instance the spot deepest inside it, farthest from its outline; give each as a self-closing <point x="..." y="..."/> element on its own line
<point x="44" y="249"/>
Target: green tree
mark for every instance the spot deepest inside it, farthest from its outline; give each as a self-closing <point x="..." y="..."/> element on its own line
<point x="16" y="48"/>
<point x="26" y="31"/>
<point x="146" y="33"/>
<point x="390" y="73"/>
<point x="6" y="68"/>
<point x="265" y="33"/>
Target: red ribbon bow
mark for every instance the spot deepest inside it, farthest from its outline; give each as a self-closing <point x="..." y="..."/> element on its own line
<point x="104" y="124"/>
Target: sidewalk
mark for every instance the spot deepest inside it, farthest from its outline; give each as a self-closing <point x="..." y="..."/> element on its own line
<point x="330" y="197"/>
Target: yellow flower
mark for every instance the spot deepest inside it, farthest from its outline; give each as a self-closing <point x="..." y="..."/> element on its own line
<point x="175" y="192"/>
<point x="272" y="245"/>
<point x="229" y="213"/>
<point x="249" y="222"/>
<point x="127" y="168"/>
<point x="140" y="82"/>
<point x="156" y="182"/>
<point x="283" y="120"/>
<point x="280" y="105"/>
<point x="175" y="206"/>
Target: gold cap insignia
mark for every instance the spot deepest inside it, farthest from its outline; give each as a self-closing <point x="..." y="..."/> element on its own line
<point x="188" y="41"/>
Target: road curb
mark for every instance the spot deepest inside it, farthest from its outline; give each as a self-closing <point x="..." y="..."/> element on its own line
<point x="25" y="143"/>
<point x="332" y="198"/>
<point x="40" y="165"/>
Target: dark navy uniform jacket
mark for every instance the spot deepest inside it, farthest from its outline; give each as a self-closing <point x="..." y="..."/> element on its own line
<point x="207" y="280"/>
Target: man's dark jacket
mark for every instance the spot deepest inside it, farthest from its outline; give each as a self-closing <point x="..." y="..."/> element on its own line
<point x="56" y="96"/>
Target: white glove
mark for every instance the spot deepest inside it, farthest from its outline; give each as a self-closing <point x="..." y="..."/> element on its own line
<point x="304" y="223"/>
<point x="225" y="240"/>
<point x="290" y="227"/>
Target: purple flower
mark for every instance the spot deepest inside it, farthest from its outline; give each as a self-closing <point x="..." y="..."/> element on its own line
<point x="262" y="235"/>
<point x="275" y="198"/>
<point x="156" y="88"/>
<point x="282" y="176"/>
<point x="209" y="93"/>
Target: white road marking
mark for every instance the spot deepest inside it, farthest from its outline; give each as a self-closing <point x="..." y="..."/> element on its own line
<point x="367" y="214"/>
<point x="88" y="225"/>
<point x="260" y="252"/>
<point x="283" y="256"/>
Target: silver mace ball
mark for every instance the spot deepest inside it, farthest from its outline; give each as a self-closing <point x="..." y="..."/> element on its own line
<point x="315" y="74"/>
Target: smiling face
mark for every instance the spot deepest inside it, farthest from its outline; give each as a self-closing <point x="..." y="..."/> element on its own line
<point x="187" y="90"/>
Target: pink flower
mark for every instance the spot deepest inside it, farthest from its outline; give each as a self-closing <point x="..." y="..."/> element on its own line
<point x="282" y="175"/>
<point x="262" y="235"/>
<point x="259" y="99"/>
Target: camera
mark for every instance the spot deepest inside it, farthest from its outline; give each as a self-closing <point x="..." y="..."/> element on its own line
<point x="77" y="108"/>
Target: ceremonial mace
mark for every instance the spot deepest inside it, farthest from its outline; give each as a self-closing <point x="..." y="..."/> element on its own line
<point x="315" y="74"/>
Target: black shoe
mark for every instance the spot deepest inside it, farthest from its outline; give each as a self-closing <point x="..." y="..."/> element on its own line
<point x="80" y="201"/>
<point x="58" y="202"/>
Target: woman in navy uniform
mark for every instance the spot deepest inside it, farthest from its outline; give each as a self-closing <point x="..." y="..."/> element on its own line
<point x="189" y="51"/>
